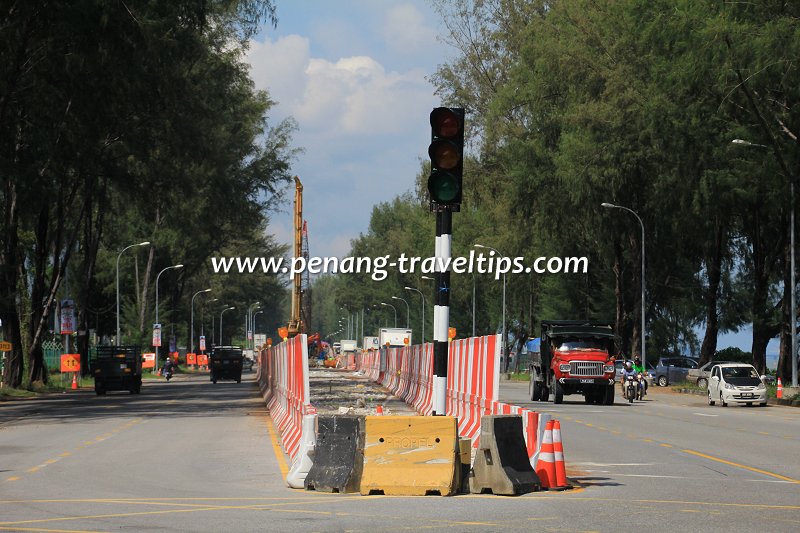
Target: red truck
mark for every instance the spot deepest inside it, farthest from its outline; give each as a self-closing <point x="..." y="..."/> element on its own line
<point x="575" y="357"/>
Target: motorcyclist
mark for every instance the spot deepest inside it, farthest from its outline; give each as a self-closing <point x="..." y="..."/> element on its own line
<point x="639" y="368"/>
<point x="627" y="371"/>
<point x="168" y="366"/>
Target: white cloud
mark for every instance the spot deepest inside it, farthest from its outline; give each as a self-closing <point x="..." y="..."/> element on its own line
<point x="405" y="30"/>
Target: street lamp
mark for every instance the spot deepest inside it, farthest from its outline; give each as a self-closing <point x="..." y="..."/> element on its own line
<point x="191" y="341"/>
<point x="145" y="243"/>
<point x="408" y="309"/>
<point x="503" y="351"/>
<point x="393" y="309"/>
<point x="159" y="275"/>
<point x="203" y="320"/>
<point x="254" y="325"/>
<point x="423" y="310"/>
<point x="613" y="206"/>
<point x="247" y="322"/>
<point x="793" y="309"/>
<point x="221" y="342"/>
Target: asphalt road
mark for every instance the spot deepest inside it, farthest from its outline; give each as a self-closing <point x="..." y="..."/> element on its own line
<point x="192" y="456"/>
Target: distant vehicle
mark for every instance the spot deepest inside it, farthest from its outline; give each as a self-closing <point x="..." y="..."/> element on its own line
<point x="650" y="376"/>
<point x="736" y="383"/>
<point x="394" y="337"/>
<point x="225" y="362"/>
<point x="575" y="357"/>
<point x="700" y="375"/>
<point x="673" y="369"/>
<point x="117" y="368"/>
<point x="248" y="363"/>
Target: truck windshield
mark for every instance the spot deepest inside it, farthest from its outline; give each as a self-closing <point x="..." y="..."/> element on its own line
<point x="582" y="345"/>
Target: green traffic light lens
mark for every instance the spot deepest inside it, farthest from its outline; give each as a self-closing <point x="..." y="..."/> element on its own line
<point x="444" y="154"/>
<point x="443" y="187"/>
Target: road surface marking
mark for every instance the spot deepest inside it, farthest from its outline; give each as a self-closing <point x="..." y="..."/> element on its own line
<point x="277" y="448"/>
<point x="665" y="445"/>
<point x="763" y="433"/>
<point x="731" y="463"/>
<point x="45" y="530"/>
<point x="703" y="414"/>
<point x="65" y="454"/>
<point x="13" y="478"/>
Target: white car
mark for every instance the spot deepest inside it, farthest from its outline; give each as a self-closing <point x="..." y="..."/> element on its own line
<point x="736" y="383"/>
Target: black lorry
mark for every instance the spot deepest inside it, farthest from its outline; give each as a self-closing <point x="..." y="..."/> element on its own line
<point x="225" y="362"/>
<point x="117" y="368"/>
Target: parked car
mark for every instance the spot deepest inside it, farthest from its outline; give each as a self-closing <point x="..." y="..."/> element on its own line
<point x="737" y="383"/>
<point x="700" y="375"/>
<point x="673" y="369"/>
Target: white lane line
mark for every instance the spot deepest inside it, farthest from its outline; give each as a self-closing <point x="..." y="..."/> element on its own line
<point x="703" y="414"/>
<point x="614" y="464"/>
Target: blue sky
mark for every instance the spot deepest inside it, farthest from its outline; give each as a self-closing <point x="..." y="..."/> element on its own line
<point x="353" y="75"/>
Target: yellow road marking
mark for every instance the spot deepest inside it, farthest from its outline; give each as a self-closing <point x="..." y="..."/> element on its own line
<point x="284" y="468"/>
<point x="589" y="425"/>
<point x="666" y="445"/>
<point x="47" y="530"/>
<point x="731" y="463"/>
<point x="763" y="433"/>
<point x="34" y="469"/>
<point x="647" y="440"/>
<point x="65" y="454"/>
<point x="51" y="461"/>
<point x="12" y="478"/>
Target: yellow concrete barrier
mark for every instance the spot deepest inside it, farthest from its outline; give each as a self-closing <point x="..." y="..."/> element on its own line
<point x="410" y="455"/>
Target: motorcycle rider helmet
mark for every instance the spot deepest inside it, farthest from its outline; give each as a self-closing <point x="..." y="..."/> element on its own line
<point x="628" y="365"/>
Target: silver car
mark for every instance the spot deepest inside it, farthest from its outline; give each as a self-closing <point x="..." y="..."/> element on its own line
<point x="736" y="383"/>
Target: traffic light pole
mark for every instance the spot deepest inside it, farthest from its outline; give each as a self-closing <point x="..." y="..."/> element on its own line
<point x="441" y="309"/>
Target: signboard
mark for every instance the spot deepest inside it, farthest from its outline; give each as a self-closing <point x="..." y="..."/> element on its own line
<point x="5" y="346"/>
<point x="202" y="343"/>
<point x="191" y="359"/>
<point x="156" y="334"/>
<point x="202" y="359"/>
<point x="260" y="339"/>
<point x="371" y="343"/>
<point x="249" y="334"/>
<point x="148" y="360"/>
<point x="67" y="317"/>
<point x="70" y="362"/>
<point x="172" y="344"/>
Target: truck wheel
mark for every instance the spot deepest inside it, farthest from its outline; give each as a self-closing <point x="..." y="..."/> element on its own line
<point x="535" y="389"/>
<point x="558" y="392"/>
<point x="609" y="399"/>
<point x="545" y="393"/>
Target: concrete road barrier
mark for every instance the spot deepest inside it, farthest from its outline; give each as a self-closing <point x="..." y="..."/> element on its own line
<point x="410" y="456"/>
<point x="338" y="455"/>
<point x="501" y="464"/>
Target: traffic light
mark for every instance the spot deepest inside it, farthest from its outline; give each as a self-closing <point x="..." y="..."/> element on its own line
<point x="447" y="153"/>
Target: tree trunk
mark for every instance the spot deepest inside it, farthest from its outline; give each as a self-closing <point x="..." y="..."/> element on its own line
<point x="714" y="269"/>
<point x="9" y="259"/>
<point x="619" y="294"/>
<point x="785" y="358"/>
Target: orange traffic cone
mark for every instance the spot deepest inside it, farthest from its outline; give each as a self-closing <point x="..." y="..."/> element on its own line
<point x="780" y="389"/>
<point x="558" y="447"/>
<point x="379" y="410"/>
<point x="74" y="382"/>
<point x="545" y="466"/>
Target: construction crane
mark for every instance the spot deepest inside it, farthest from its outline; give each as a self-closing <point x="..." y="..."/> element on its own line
<point x="296" y="326"/>
<point x="305" y="283"/>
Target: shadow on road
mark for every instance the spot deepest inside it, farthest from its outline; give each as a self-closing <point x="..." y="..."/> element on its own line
<point x="187" y="395"/>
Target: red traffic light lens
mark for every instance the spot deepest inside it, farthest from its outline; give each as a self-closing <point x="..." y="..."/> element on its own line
<point x="445" y="122"/>
<point x="444" y="154"/>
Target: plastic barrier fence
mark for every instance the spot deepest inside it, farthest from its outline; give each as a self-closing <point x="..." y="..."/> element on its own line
<point x="473" y="383"/>
<point x="283" y="378"/>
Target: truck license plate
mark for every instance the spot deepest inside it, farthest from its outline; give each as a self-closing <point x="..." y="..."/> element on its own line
<point x="587" y="381"/>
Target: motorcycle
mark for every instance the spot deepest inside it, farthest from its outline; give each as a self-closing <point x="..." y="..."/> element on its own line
<point x="631" y="388"/>
<point x="641" y="387"/>
<point x="168" y="374"/>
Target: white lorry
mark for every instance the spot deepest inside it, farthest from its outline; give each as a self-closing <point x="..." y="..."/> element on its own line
<point x="394" y="337"/>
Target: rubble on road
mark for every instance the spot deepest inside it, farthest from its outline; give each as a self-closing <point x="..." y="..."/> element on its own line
<point x="346" y="392"/>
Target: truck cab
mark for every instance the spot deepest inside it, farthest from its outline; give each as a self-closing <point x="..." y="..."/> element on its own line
<point x="575" y="357"/>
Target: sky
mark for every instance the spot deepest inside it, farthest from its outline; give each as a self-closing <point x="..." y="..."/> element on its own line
<point x="352" y="74"/>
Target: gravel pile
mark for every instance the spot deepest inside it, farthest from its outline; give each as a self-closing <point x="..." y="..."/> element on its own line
<point x="346" y="392"/>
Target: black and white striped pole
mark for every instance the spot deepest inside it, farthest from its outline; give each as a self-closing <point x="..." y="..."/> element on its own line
<point x="444" y="185"/>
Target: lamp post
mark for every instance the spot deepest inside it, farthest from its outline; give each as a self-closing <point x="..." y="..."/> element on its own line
<point x="145" y="243"/>
<point x="503" y="351"/>
<point x="158" y="276"/>
<point x="793" y="308"/>
<point x="221" y="342"/>
<point x="191" y="341"/>
<point x="473" y="304"/>
<point x="423" y="310"/>
<point x="254" y="326"/>
<point x="408" y="309"/>
<point x="203" y="321"/>
<point x="393" y="309"/>
<point x="631" y="211"/>
<point x="248" y="326"/>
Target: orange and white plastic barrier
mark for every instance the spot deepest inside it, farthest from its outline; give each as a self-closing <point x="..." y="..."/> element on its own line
<point x="473" y="384"/>
<point x="283" y="378"/>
